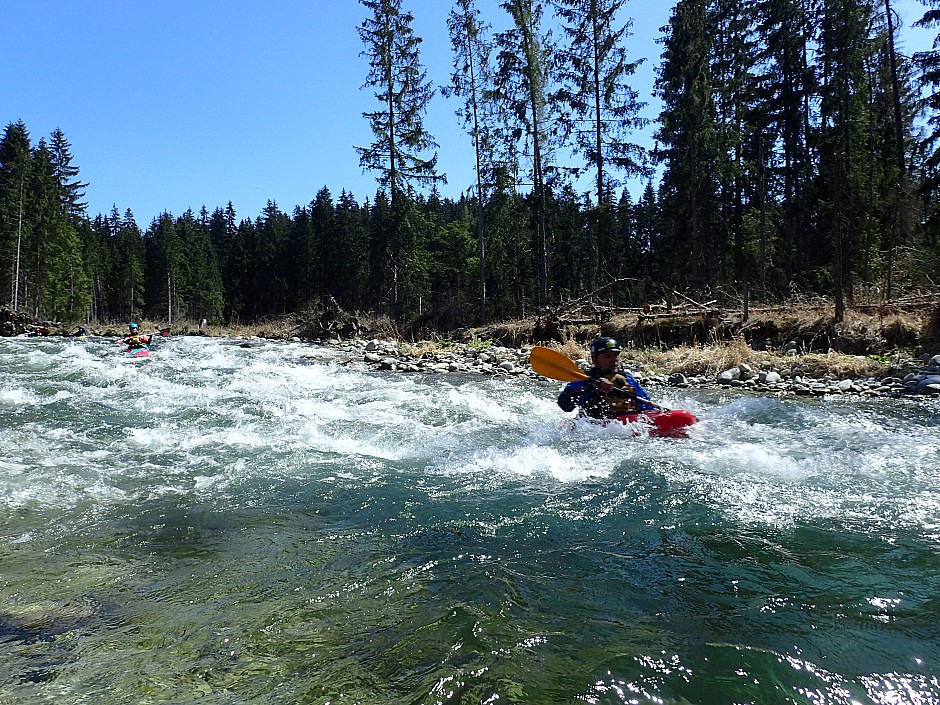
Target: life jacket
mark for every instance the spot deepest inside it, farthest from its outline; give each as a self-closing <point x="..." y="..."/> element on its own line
<point x="612" y="404"/>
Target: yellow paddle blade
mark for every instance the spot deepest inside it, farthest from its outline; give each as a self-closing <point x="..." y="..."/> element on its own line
<point x="552" y="364"/>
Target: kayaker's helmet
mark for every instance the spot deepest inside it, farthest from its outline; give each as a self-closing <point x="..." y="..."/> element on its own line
<point x="602" y="345"/>
<point x="133" y="326"/>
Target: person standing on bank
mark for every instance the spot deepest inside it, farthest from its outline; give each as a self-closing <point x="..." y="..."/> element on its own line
<point x="609" y="391"/>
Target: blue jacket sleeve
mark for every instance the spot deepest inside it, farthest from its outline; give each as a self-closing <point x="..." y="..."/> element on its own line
<point x="567" y="400"/>
<point x="640" y="392"/>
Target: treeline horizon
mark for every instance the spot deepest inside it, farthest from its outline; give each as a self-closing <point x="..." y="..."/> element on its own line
<point x="797" y="151"/>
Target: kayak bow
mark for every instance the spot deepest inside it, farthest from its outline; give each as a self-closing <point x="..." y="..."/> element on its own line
<point x="668" y="423"/>
<point x="137" y="352"/>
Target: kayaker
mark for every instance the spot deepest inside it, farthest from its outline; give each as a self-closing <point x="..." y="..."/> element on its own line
<point x="610" y="391"/>
<point x="134" y="340"/>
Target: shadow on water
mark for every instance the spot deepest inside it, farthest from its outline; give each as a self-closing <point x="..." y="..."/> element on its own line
<point x="42" y="640"/>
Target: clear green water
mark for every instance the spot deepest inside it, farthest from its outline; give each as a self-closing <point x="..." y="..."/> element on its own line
<point x="219" y="524"/>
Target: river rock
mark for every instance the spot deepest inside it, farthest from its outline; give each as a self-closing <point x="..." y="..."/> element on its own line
<point x="928" y="385"/>
<point x="678" y="380"/>
<point x="918" y="377"/>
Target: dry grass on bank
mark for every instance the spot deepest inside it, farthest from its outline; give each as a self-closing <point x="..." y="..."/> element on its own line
<point x="714" y="359"/>
<point x="881" y="337"/>
<point x="897" y="335"/>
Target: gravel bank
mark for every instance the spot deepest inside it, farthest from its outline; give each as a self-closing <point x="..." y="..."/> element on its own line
<point x="921" y="377"/>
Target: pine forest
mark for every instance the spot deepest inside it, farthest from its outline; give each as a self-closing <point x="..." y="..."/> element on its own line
<point x="796" y="151"/>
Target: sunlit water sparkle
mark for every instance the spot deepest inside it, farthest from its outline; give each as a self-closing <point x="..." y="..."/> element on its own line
<point x="267" y="523"/>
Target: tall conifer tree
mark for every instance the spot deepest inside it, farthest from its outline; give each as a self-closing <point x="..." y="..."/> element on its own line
<point x="689" y="146"/>
<point x="786" y="84"/>
<point x="71" y="190"/>
<point x="126" y="283"/>
<point x="604" y="109"/>
<point x="15" y="214"/>
<point x="844" y="48"/>
<point x="524" y="82"/>
<point x="402" y="150"/>
<point x="351" y="264"/>
<point x="472" y="80"/>
<point x="324" y="254"/>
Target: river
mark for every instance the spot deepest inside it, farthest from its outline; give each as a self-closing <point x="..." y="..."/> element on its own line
<point x="267" y="522"/>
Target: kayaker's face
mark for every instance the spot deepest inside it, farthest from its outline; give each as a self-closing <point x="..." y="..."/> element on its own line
<point x="606" y="361"/>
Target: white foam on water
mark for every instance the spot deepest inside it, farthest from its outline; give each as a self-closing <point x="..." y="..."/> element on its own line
<point x="751" y="458"/>
<point x="17" y="397"/>
<point x="208" y="413"/>
<point x="524" y="462"/>
<point x="319" y="441"/>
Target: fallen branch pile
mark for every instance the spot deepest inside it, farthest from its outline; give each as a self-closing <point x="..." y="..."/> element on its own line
<point x="590" y="309"/>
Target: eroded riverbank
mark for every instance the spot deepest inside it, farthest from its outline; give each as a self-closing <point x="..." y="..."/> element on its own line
<point x="789" y="376"/>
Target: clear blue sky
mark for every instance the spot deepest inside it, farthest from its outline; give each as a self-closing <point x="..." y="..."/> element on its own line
<point x="177" y="104"/>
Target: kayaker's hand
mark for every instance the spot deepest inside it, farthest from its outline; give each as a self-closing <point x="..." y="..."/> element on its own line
<point x="603" y="385"/>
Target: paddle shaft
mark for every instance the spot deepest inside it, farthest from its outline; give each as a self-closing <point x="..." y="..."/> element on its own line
<point x="164" y="332"/>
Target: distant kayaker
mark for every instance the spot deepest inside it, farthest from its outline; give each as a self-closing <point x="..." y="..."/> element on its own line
<point x="80" y="332"/>
<point x="134" y="340"/>
<point x="610" y="391"/>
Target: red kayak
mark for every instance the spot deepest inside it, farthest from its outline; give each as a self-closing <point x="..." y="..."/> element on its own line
<point x="137" y="352"/>
<point x="661" y="423"/>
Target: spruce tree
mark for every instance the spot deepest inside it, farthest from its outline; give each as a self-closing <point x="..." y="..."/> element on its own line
<point x="689" y="147"/>
<point x="302" y="261"/>
<point x="351" y="254"/>
<point x="738" y="129"/>
<point x="603" y="108"/>
<point x="510" y="278"/>
<point x="270" y="294"/>
<point x="15" y="214"/>
<point x="71" y="191"/>
<point x="787" y="84"/>
<point x="323" y="253"/>
<point x="573" y="258"/>
<point x="928" y="63"/>
<point x="402" y="150"/>
<point x="223" y="233"/>
<point x="45" y="246"/>
<point x="647" y="220"/>
<point x="843" y="135"/>
<point x="126" y="282"/>
<point x="472" y="80"/>
<point x="200" y="295"/>
<point x="166" y="272"/>
<point x="523" y="81"/>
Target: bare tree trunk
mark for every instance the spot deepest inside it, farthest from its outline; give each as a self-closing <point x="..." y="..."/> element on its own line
<point x="837" y="273"/>
<point x="19" y="244"/>
<point x="899" y="137"/>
